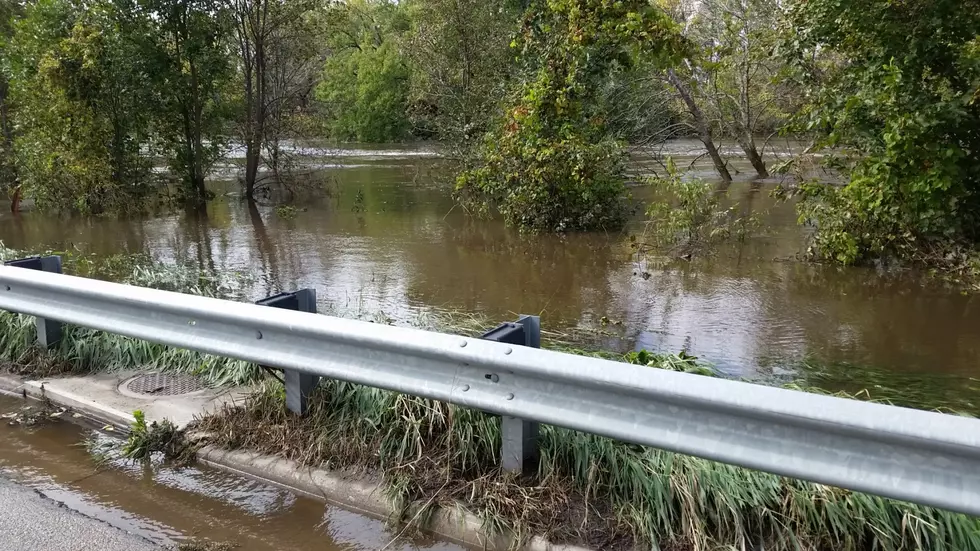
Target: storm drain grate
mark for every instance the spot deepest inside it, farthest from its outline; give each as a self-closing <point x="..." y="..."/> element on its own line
<point x="164" y="384"/>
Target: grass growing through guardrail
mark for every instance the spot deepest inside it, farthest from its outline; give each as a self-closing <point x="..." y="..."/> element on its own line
<point x="84" y="350"/>
<point x="590" y="489"/>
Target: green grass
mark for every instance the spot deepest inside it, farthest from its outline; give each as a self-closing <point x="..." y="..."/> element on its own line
<point x="589" y="489"/>
<point x="85" y="350"/>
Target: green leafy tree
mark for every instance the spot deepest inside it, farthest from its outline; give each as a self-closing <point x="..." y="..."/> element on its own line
<point x="276" y="58"/>
<point x="893" y="95"/>
<point x="460" y="61"/>
<point x="8" y="174"/>
<point x="365" y="80"/>
<point x="550" y="164"/>
<point x="192" y="76"/>
<point x="78" y="84"/>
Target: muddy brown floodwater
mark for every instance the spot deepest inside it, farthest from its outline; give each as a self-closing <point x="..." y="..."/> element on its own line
<point x="388" y="242"/>
<point x="168" y="506"/>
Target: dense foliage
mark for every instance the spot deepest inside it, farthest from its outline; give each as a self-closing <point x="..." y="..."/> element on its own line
<point x="894" y="90"/>
<point x="80" y="107"/>
<point x="365" y="82"/>
<point x="106" y="103"/>
<point x="97" y="90"/>
<point x="549" y="164"/>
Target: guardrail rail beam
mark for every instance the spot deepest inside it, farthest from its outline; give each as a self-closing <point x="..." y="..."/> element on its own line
<point x="924" y="457"/>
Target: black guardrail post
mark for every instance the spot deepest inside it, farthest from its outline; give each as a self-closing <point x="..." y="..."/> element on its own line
<point x="518" y="437"/>
<point x="49" y="332"/>
<point x="299" y="386"/>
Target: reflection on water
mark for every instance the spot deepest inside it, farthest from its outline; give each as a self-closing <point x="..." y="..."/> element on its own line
<point x="167" y="506"/>
<point x="389" y="239"/>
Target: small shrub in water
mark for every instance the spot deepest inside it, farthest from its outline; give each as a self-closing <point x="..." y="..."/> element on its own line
<point x="688" y="217"/>
<point x="286" y="212"/>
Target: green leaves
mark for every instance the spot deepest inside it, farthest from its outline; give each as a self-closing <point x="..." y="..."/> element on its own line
<point x="365" y="81"/>
<point x="550" y="163"/>
<point x="900" y="117"/>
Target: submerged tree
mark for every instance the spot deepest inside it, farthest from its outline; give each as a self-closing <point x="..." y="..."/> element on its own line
<point x="193" y="73"/>
<point x="277" y="57"/>
<point x="460" y="60"/>
<point x="82" y="108"/>
<point x="729" y="82"/>
<point x="894" y="91"/>
<point x="365" y="80"/>
<point x="550" y="163"/>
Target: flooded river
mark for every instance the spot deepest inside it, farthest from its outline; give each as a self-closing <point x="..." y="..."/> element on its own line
<point x="388" y="242"/>
<point x="168" y="506"/>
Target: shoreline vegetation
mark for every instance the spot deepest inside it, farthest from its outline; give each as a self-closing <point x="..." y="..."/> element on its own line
<point x="536" y="102"/>
<point x="588" y="489"/>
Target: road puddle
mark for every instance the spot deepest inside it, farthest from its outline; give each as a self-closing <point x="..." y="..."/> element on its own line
<point x="73" y="464"/>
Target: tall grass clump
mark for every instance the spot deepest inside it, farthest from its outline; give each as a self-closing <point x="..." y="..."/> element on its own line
<point x="589" y="489"/>
<point x="85" y="350"/>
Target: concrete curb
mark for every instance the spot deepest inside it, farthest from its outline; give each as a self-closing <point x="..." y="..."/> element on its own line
<point x="357" y="494"/>
<point x="80" y="404"/>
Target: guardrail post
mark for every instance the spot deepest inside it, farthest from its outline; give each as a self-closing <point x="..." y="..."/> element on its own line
<point x="518" y="437"/>
<point x="299" y="386"/>
<point x="49" y="332"/>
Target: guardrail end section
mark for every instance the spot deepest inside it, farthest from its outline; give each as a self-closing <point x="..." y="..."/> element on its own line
<point x="49" y="332"/>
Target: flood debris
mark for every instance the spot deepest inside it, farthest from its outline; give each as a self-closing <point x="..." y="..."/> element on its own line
<point x="163" y="437"/>
<point x="36" y="414"/>
<point x="205" y="545"/>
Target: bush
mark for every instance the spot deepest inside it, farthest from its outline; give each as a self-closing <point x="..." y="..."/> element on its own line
<point x="550" y="163"/>
<point x="895" y="102"/>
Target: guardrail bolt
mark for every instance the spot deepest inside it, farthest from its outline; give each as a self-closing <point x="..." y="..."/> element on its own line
<point x="299" y="386"/>
<point x="518" y="437"/>
<point x="49" y="332"/>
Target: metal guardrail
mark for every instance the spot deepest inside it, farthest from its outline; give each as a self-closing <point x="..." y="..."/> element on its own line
<point x="923" y="457"/>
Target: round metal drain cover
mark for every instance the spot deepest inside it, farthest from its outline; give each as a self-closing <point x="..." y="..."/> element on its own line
<point x="164" y="384"/>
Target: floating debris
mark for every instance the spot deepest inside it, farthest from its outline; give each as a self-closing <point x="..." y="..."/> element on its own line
<point x="34" y="415"/>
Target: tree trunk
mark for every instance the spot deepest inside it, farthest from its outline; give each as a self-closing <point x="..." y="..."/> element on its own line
<point x="252" y="45"/>
<point x="202" y="190"/>
<point x="252" y="155"/>
<point x="701" y="125"/>
<point x="748" y="146"/>
<point x="15" y="200"/>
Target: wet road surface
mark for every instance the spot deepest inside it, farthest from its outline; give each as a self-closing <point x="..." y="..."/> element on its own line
<point x="30" y="522"/>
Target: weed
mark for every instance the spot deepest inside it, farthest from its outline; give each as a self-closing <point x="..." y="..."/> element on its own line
<point x="163" y="437"/>
<point x="359" y="202"/>
<point x="286" y="212"/>
<point x="688" y="218"/>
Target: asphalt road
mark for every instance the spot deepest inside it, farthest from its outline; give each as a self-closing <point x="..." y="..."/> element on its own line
<point x="29" y="522"/>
